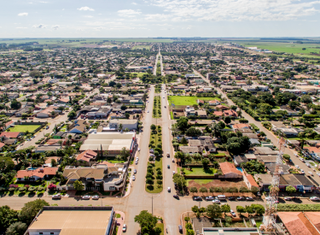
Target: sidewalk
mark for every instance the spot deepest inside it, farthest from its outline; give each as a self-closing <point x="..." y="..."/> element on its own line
<point x="120" y="221"/>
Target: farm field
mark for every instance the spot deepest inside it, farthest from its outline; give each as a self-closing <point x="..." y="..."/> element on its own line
<point x="188" y="100"/>
<point x="291" y="48"/>
<point x="141" y="47"/>
<point x="23" y="128"/>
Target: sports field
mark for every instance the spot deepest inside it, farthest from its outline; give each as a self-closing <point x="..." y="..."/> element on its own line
<point x="188" y="100"/>
<point x="23" y="128"/>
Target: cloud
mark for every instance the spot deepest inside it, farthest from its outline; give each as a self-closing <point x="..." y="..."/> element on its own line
<point x="128" y="13"/>
<point x="134" y="3"/>
<point x="235" y="10"/>
<point x="21" y="27"/>
<point x="88" y="16"/>
<point x="44" y="2"/>
<point x="23" y="14"/>
<point x="85" y="9"/>
<point x="39" y="26"/>
<point x="55" y="27"/>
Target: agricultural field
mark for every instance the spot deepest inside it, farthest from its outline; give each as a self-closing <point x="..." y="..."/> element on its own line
<point x="24" y="128"/>
<point x="141" y="47"/>
<point x="188" y="100"/>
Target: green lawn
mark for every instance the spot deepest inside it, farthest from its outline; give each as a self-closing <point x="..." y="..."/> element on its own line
<point x="161" y="225"/>
<point x="64" y="128"/>
<point x="23" y="128"/>
<point x="200" y="171"/>
<point x="199" y="181"/>
<point x="141" y="47"/>
<point x="139" y="75"/>
<point x="188" y="100"/>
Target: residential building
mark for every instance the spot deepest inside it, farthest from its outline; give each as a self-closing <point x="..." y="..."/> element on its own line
<point x="130" y="124"/>
<point x="36" y="174"/>
<point x="229" y="171"/>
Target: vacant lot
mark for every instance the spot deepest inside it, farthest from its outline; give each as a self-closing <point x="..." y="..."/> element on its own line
<point x="188" y="100"/>
<point x="23" y="128"/>
<point x="200" y="171"/>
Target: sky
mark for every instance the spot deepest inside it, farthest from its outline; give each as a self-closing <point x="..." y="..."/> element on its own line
<point x="159" y="18"/>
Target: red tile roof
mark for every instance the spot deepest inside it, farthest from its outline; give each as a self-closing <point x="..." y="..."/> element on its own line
<point x="251" y="180"/>
<point x="240" y="126"/>
<point x="227" y="168"/>
<point x="1" y="145"/>
<point x="12" y="135"/>
<point x="86" y="155"/>
<point x="39" y="172"/>
<point x="313" y="149"/>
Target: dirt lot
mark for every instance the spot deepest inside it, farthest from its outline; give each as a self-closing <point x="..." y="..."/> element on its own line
<point x="220" y="183"/>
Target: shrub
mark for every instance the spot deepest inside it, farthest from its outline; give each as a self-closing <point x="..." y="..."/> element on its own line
<point x="31" y="189"/>
<point x="300" y="207"/>
<point x="13" y="186"/>
<point x="22" y="189"/>
<point x="12" y="189"/>
<point x="52" y="187"/>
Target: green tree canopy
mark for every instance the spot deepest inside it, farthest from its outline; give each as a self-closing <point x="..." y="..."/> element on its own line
<point x="214" y="211"/>
<point x="31" y="209"/>
<point x="17" y="228"/>
<point x="7" y="217"/>
<point x="146" y="221"/>
<point x="78" y="185"/>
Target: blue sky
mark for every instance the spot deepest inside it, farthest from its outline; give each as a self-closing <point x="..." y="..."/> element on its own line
<point x="160" y="18"/>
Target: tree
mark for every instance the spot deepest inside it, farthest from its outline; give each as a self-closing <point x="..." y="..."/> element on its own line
<point x="195" y="209"/>
<point x="205" y="163"/>
<point x="286" y="156"/>
<point x="15" y="104"/>
<point x="31" y="209"/>
<point x="203" y="190"/>
<point x="290" y="189"/>
<point x="123" y="107"/>
<point x="78" y="185"/>
<point x="306" y="99"/>
<point x="72" y="114"/>
<point x="259" y="209"/>
<point x="225" y="208"/>
<point x="227" y="120"/>
<point x="254" y="189"/>
<point x="182" y="123"/>
<point x="187" y="219"/>
<point x="249" y="210"/>
<point x="214" y="211"/>
<point x="193" y="190"/>
<point x="240" y="209"/>
<point x="184" y="141"/>
<point x="181" y="156"/>
<point x="153" y="127"/>
<point x="179" y="180"/>
<point x="124" y="154"/>
<point x="7" y="217"/>
<point x="146" y="221"/>
<point x="17" y="228"/>
<point x="193" y="132"/>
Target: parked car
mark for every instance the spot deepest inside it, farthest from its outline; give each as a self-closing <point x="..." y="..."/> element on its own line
<point x="57" y="196"/>
<point x="310" y="173"/>
<point x="168" y="166"/>
<point x="197" y="198"/>
<point x="209" y="198"/>
<point x="95" y="197"/>
<point x="124" y="228"/>
<point x="173" y="160"/>
<point x="133" y="178"/>
<point x="135" y="171"/>
<point x="314" y="198"/>
<point x="169" y="190"/>
<point x="176" y="197"/>
<point x="173" y="172"/>
<point x="85" y="197"/>
<point x="249" y="198"/>
<point x="288" y="198"/>
<point x="231" y="198"/>
<point x="216" y="201"/>
<point x="233" y="213"/>
<point x="168" y="154"/>
<point x="302" y="171"/>
<point x="241" y="198"/>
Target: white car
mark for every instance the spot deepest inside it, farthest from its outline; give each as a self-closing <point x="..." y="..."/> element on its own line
<point x="135" y="171"/>
<point x="173" y="172"/>
<point x="133" y="178"/>
<point x="310" y="172"/>
<point x="169" y="190"/>
<point x="85" y="197"/>
<point x="314" y="198"/>
<point x="57" y="196"/>
<point x="233" y="213"/>
<point x="95" y="197"/>
<point x="148" y="111"/>
<point x="124" y="228"/>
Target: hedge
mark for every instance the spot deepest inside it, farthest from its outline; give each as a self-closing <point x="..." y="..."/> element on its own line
<point x="302" y="207"/>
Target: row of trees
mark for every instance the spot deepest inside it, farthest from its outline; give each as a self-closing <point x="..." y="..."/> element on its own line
<point x="232" y="190"/>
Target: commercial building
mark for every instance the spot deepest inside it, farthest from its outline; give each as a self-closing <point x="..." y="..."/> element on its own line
<point x="55" y="220"/>
<point x="112" y="142"/>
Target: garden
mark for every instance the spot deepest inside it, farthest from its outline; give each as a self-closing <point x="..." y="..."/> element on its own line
<point x="156" y="107"/>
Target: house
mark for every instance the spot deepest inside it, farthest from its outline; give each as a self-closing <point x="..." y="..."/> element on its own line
<point x="190" y="150"/>
<point x="214" y="102"/>
<point x="11" y="135"/>
<point x="240" y="126"/>
<point x="46" y="148"/>
<point x="229" y="171"/>
<point x="37" y="174"/>
<point x="78" y="127"/>
<point x="289" y="132"/>
<point x="201" y="113"/>
<point x="222" y="107"/>
<point x="301" y="223"/>
<point x="107" y="178"/>
<point x="264" y="181"/>
<point x="230" y="113"/>
<point x="124" y="123"/>
<point x="1" y="146"/>
<point x="238" y="159"/>
<point x="48" y="112"/>
<point x="87" y="157"/>
<point x="249" y="180"/>
<point x="300" y="182"/>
